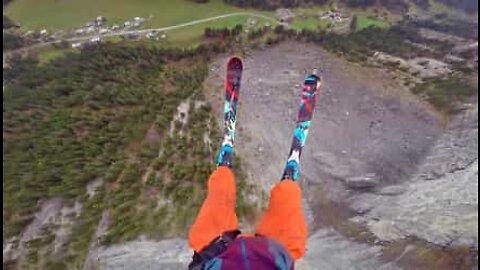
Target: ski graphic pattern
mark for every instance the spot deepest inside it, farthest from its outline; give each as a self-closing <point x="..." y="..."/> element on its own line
<point x="232" y="89"/>
<point x="311" y="88"/>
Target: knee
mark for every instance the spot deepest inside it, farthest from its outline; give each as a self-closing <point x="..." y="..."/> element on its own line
<point x="286" y="191"/>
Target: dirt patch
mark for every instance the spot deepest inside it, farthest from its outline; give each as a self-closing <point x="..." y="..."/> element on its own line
<point x="416" y="254"/>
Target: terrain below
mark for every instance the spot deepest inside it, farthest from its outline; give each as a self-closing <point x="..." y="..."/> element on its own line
<point x="387" y="185"/>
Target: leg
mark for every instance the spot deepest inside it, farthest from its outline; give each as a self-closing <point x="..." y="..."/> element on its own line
<point x="217" y="213"/>
<point x="283" y="220"/>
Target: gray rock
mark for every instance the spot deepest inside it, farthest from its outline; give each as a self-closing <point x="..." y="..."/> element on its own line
<point x="169" y="254"/>
<point x="392" y="190"/>
<point x="362" y="182"/>
<point x="385" y="230"/>
<point x="439" y="204"/>
<point x="443" y="212"/>
<point x="327" y="249"/>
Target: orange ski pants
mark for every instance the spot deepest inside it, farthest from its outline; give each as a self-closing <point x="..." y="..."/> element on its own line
<point x="283" y="220"/>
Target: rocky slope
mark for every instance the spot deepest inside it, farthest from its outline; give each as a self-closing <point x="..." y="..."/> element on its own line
<point x="440" y="204"/>
<point x="378" y="167"/>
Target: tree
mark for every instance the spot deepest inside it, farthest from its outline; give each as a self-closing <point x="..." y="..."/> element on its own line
<point x="360" y="3"/>
<point x="8" y="23"/>
<point x="353" y="23"/>
<point x="12" y="41"/>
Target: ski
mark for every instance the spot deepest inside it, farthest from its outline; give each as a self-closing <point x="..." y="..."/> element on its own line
<point x="232" y="89"/>
<point x="310" y="90"/>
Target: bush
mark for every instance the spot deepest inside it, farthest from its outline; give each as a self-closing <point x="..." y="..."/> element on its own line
<point x="446" y="94"/>
<point x="12" y="41"/>
<point x="8" y="23"/>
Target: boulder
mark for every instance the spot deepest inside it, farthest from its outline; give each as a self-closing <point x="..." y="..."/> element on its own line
<point x="362" y="182"/>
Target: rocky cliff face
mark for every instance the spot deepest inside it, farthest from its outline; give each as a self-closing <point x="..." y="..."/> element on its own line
<point x="440" y="203"/>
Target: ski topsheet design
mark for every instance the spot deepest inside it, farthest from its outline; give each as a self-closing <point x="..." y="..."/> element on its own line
<point x="311" y="88"/>
<point x="232" y="89"/>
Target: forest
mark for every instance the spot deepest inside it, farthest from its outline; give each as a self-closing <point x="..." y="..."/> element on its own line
<point x="108" y="114"/>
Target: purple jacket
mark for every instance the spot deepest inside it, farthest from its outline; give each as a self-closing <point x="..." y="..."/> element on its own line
<point x="252" y="253"/>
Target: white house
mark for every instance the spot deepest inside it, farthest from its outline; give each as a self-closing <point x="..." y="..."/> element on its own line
<point x="95" y="39"/>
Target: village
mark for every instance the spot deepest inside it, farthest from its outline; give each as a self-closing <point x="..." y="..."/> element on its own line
<point x="98" y="28"/>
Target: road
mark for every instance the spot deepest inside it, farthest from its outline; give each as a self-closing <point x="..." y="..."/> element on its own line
<point x="143" y="31"/>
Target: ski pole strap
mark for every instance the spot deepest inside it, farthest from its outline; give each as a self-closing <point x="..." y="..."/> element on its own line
<point x="216" y="247"/>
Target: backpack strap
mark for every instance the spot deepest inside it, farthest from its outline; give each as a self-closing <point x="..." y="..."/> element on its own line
<point x="216" y="247"/>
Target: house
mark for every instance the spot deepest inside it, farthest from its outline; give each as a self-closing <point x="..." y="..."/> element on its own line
<point x="79" y="31"/>
<point x="90" y="29"/>
<point x="152" y="34"/>
<point x="332" y="16"/>
<point x="285" y="15"/>
<point x="95" y="39"/>
<point x="100" y="20"/>
<point x="29" y="33"/>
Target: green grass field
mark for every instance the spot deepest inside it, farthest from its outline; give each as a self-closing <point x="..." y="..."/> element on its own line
<point x="365" y="21"/>
<point x="311" y="11"/>
<point x="47" y="54"/>
<point x="63" y="15"/>
<point x="192" y="34"/>
<point x="309" y="23"/>
<point x="439" y="8"/>
<point x="67" y="14"/>
<point x="307" y="18"/>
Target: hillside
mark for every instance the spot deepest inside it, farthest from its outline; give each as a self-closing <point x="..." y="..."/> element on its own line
<point x="112" y="119"/>
<point x="104" y="136"/>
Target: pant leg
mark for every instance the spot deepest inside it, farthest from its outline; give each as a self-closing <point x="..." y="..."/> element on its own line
<point x="217" y="213"/>
<point x="284" y="220"/>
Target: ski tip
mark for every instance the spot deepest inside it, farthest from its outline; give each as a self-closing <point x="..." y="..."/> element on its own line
<point x="235" y="62"/>
<point x="312" y="78"/>
<point x="313" y="82"/>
